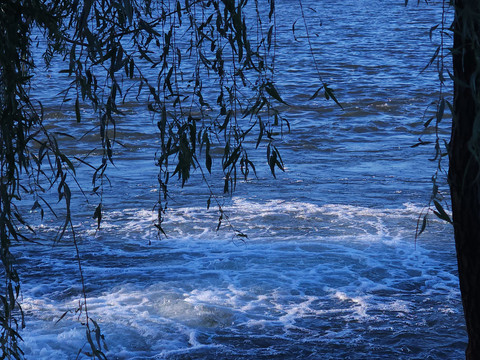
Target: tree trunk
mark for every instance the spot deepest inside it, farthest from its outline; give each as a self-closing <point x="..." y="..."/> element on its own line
<point x="464" y="156"/>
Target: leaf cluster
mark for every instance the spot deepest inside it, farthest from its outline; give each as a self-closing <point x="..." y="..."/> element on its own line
<point x="207" y="82"/>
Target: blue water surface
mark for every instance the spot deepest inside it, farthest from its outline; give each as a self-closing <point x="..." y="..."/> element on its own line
<point x="330" y="269"/>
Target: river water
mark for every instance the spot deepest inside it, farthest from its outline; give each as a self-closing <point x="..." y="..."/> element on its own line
<point x="330" y="268"/>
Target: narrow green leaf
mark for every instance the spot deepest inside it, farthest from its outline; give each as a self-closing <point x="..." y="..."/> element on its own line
<point x="77" y="110"/>
<point x="67" y="161"/>
<point x="208" y="162"/>
<point x="421" y="142"/>
<point x="440" y="111"/>
<point x="98" y="215"/>
<point x="440" y="213"/>
<point x="272" y="91"/>
<point x="61" y="317"/>
<point x="432" y="29"/>
<point x="428" y="122"/>
<point x="159" y="227"/>
<point x="220" y="218"/>
<point x="316" y="93"/>
<point x="424" y="225"/>
<point x="329" y="94"/>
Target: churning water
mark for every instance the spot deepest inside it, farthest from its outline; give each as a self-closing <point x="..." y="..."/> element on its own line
<point x="330" y="270"/>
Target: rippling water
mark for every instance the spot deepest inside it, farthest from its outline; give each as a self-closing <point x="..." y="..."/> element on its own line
<point x="330" y="270"/>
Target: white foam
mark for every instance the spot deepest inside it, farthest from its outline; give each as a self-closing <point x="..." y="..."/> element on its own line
<point x="352" y="264"/>
<point x="359" y="303"/>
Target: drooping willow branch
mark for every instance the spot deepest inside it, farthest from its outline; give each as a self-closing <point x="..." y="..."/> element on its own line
<point x="203" y="69"/>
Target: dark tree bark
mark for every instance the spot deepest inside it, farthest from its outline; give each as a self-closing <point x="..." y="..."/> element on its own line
<point x="464" y="174"/>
